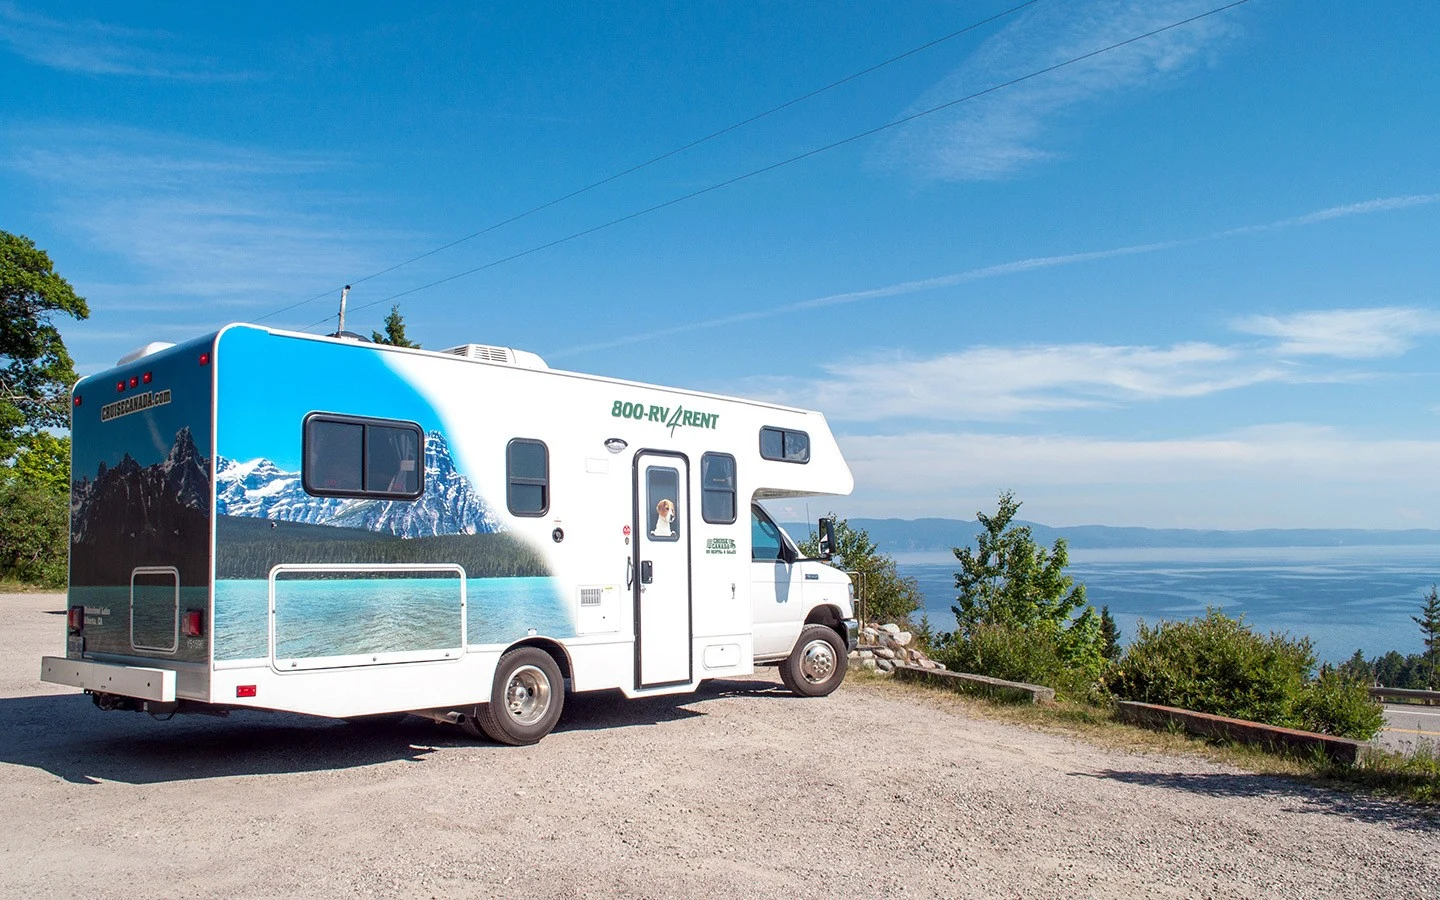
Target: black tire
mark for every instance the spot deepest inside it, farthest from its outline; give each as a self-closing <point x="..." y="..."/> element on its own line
<point x="525" y="701"/>
<point x="818" y="663"/>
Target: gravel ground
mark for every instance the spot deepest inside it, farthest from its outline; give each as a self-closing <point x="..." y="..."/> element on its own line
<point x="740" y="790"/>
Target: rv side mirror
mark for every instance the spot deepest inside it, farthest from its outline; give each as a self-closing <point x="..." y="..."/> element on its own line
<point x="826" y="530"/>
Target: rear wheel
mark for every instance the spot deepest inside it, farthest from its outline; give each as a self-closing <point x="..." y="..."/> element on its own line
<point x="817" y="664"/>
<point x="526" y="699"/>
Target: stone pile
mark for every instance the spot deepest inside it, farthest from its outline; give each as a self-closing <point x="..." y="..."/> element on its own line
<point x="882" y="647"/>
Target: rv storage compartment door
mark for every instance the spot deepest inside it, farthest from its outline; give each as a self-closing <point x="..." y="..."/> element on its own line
<point x="333" y="615"/>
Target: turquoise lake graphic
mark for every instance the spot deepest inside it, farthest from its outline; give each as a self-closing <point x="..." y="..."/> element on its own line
<point x="316" y="617"/>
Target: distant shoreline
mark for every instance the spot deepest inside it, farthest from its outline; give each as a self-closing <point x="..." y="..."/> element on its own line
<point x="924" y="535"/>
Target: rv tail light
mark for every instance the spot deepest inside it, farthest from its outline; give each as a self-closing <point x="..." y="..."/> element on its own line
<point x="145" y="378"/>
<point x="76" y="619"/>
<point x="244" y="690"/>
<point x="193" y="623"/>
<point x="204" y="359"/>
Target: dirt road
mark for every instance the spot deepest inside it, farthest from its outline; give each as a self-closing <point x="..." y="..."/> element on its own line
<point x="738" y="791"/>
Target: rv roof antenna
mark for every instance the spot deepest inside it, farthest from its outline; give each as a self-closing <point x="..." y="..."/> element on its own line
<point x="343" y="294"/>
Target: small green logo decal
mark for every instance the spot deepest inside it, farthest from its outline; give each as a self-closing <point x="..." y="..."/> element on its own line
<point x="722" y="546"/>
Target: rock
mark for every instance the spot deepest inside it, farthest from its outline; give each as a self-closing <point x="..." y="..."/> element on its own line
<point x="867" y="654"/>
<point x="903" y="637"/>
<point x="890" y="629"/>
<point x="884" y="665"/>
<point x="868" y="664"/>
<point x="884" y="653"/>
<point x="914" y="654"/>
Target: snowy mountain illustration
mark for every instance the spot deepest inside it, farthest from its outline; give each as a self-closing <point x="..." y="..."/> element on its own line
<point x="262" y="490"/>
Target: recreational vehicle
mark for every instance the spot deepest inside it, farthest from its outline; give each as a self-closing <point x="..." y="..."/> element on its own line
<point x="266" y="519"/>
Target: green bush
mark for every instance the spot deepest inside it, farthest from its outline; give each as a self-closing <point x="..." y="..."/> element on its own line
<point x="1030" y="655"/>
<point x="1218" y="665"/>
<point x="1339" y="705"/>
<point x="34" y="533"/>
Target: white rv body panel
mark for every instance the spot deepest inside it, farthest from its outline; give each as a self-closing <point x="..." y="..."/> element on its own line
<point x="385" y="523"/>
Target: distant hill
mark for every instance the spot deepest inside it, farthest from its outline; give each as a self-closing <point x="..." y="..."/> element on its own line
<point x="905" y="535"/>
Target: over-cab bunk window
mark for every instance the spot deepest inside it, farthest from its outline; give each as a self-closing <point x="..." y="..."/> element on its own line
<point x="784" y="445"/>
<point x="527" y="477"/>
<point x="353" y="456"/>
<point x="717" y="488"/>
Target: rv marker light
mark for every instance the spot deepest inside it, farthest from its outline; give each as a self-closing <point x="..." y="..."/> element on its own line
<point x="119" y="387"/>
<point x="145" y="378"/>
<point x="76" y="619"/>
<point x="77" y="399"/>
<point x="244" y="690"/>
<point x="134" y="381"/>
<point x="204" y="359"/>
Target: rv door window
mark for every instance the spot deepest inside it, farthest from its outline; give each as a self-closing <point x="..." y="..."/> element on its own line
<point x="717" y="488"/>
<point x="350" y="456"/>
<point x="784" y="445"/>
<point x="527" y="468"/>
<point x="662" y="496"/>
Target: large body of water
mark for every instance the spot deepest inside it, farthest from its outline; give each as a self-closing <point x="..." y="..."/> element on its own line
<point x="1342" y="598"/>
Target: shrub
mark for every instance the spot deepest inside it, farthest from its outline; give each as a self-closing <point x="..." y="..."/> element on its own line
<point x="1339" y="705"/>
<point x="1030" y="655"/>
<point x="1218" y="665"/>
<point x="34" y="533"/>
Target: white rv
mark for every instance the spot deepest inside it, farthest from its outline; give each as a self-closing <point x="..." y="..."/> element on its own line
<point x="283" y="521"/>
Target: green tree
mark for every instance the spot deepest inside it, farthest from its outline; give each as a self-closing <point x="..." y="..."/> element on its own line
<point x="1012" y="582"/>
<point x="1429" y="622"/>
<point x="1109" y="635"/>
<point x="36" y="371"/>
<point x="883" y="593"/>
<point x="394" y="331"/>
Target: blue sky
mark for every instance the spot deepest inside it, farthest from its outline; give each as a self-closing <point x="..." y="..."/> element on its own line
<point x="1190" y="282"/>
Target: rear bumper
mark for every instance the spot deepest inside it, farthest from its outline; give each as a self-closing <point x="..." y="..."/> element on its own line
<point x="111" y="678"/>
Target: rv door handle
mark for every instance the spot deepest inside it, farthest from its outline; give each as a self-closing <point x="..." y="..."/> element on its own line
<point x="629" y="573"/>
<point x="647" y="571"/>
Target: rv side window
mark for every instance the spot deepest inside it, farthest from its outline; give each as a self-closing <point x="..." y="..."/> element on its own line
<point x="717" y="488"/>
<point x="349" y="456"/>
<point x="527" y="475"/>
<point x="784" y="445"/>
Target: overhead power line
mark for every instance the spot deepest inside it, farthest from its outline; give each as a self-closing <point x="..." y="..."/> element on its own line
<point x="666" y="155"/>
<point x="794" y="159"/>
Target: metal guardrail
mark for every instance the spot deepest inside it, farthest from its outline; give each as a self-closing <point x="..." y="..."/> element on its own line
<point x="1383" y="693"/>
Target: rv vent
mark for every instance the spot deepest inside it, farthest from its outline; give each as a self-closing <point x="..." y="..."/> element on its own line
<point x="591" y="596"/>
<point x="504" y="355"/>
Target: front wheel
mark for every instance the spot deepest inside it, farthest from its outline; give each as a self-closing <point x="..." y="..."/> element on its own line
<point x="526" y="699"/>
<point x="817" y="664"/>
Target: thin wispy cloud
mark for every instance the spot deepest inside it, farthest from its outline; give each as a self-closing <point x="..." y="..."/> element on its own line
<point x="1014" y="267"/>
<point x="1345" y="333"/>
<point x="90" y="47"/>
<point x="1000" y="134"/>
<point x="1002" y="383"/>
<point x="1247" y="478"/>
<point x="189" y="220"/>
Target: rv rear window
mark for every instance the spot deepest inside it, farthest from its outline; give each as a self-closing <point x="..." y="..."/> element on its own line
<point x="527" y="476"/>
<point x="717" y="488"/>
<point x="784" y="445"/>
<point x="350" y="456"/>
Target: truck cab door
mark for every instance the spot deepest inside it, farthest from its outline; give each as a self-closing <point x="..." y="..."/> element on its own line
<point x="776" y="599"/>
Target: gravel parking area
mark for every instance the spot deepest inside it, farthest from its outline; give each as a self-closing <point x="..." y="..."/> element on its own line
<point x="740" y="790"/>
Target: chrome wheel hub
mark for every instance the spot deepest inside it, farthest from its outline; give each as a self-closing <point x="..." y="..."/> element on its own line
<point x="817" y="661"/>
<point x="527" y="695"/>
